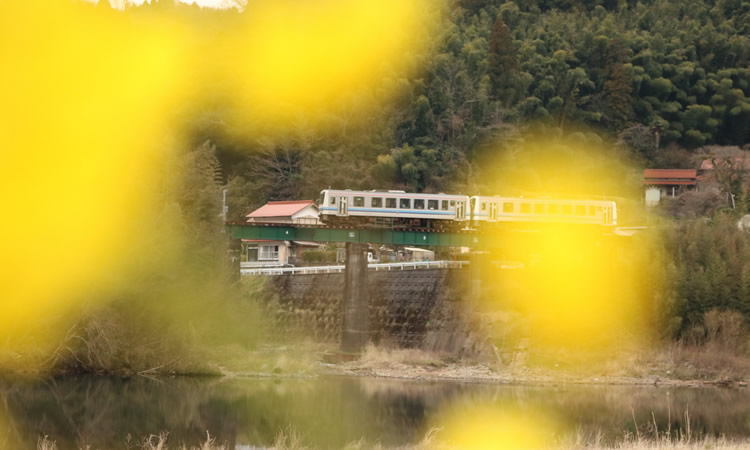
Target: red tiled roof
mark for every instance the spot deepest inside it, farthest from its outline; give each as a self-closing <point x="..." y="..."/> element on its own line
<point x="707" y="164"/>
<point x="669" y="176"/>
<point x="281" y="209"/>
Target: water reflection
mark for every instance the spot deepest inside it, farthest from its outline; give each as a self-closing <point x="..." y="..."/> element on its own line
<point x="331" y="412"/>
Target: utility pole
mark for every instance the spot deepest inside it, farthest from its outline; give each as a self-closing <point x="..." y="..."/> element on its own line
<point x="224" y="207"/>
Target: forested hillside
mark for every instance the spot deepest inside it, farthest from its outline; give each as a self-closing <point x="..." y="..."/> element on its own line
<point x="656" y="75"/>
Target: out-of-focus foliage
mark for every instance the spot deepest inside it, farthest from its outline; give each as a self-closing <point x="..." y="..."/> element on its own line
<point x="99" y="207"/>
<point x="176" y="308"/>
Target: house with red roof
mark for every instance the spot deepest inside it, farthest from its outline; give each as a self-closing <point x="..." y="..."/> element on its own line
<point x="661" y="183"/>
<point x="270" y="253"/>
<point x="294" y="211"/>
<point x="707" y="171"/>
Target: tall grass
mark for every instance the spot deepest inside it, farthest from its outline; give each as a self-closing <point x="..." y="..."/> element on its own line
<point x="289" y="439"/>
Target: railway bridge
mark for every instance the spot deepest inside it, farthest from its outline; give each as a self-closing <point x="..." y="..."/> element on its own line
<point x="356" y="301"/>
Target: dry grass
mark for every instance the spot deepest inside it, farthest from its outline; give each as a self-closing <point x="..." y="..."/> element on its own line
<point x="663" y="441"/>
<point x="294" y="359"/>
<point x="708" y="362"/>
<point x="378" y="357"/>
<point x="152" y="442"/>
<point x="290" y="440"/>
<point x="654" y="445"/>
<point x="159" y="442"/>
<point x="45" y="443"/>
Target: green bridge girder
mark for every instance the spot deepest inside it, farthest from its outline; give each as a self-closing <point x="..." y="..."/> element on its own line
<point x="374" y="236"/>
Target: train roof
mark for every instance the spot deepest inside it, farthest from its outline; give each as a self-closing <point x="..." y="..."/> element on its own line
<point x="380" y="193"/>
<point x="556" y="199"/>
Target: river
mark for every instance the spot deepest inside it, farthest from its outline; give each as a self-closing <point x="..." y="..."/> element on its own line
<point x="329" y="412"/>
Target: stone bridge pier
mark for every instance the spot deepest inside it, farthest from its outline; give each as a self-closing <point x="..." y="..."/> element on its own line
<point x="356" y="299"/>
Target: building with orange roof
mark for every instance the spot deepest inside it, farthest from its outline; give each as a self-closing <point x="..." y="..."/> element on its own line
<point x="294" y="211"/>
<point x="267" y="253"/>
<point x="661" y="183"/>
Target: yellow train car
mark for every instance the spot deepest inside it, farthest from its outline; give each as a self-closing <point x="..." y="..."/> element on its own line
<point x="485" y="209"/>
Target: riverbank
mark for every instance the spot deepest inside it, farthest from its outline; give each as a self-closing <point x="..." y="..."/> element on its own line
<point x="670" y="366"/>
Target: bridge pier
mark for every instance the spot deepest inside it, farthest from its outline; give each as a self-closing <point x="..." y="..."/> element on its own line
<point x="478" y="261"/>
<point x="355" y="332"/>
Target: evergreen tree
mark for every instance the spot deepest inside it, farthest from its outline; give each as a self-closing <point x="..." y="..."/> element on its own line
<point x="503" y="62"/>
<point x="618" y="88"/>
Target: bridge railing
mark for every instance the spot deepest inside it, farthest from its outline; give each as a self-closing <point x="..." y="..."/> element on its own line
<point x="340" y="268"/>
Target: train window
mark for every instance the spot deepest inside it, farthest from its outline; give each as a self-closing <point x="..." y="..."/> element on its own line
<point x="453" y="203"/>
<point x="376" y="202"/>
<point x="525" y="207"/>
<point x="484" y="206"/>
<point x="404" y="203"/>
<point x="418" y="203"/>
<point x="580" y="210"/>
<point x="390" y="203"/>
<point x="444" y="205"/>
<point x="333" y="200"/>
<point x="539" y="208"/>
<point x="432" y="204"/>
<point x="552" y="208"/>
<point x="508" y="207"/>
<point x="592" y="210"/>
<point x="567" y="209"/>
<point x="359" y="201"/>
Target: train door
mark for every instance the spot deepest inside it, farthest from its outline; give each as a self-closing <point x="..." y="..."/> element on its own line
<point x="607" y="216"/>
<point x="343" y="209"/>
<point x="460" y="210"/>
<point x="493" y="211"/>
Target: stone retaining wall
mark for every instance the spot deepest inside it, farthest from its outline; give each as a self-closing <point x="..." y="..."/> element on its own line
<point x="423" y="309"/>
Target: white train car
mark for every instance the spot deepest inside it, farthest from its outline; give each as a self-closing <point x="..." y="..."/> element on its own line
<point x="393" y="207"/>
<point x="484" y="209"/>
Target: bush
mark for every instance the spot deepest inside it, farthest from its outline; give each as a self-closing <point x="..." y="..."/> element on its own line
<point x="319" y="256"/>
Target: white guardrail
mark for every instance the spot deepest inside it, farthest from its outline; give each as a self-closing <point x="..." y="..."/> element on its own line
<point x="336" y="269"/>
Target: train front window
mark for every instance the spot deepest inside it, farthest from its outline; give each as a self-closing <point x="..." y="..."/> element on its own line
<point x="390" y="203"/>
<point x="539" y="208"/>
<point x="322" y="198"/>
<point x="580" y="210"/>
<point x="377" y="202"/>
<point x="418" y="203"/>
<point x="508" y="207"/>
<point x="444" y="205"/>
<point x="333" y="200"/>
<point x="526" y="208"/>
<point x="404" y="203"/>
<point x="359" y="201"/>
<point x="432" y="204"/>
<point x="567" y="209"/>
